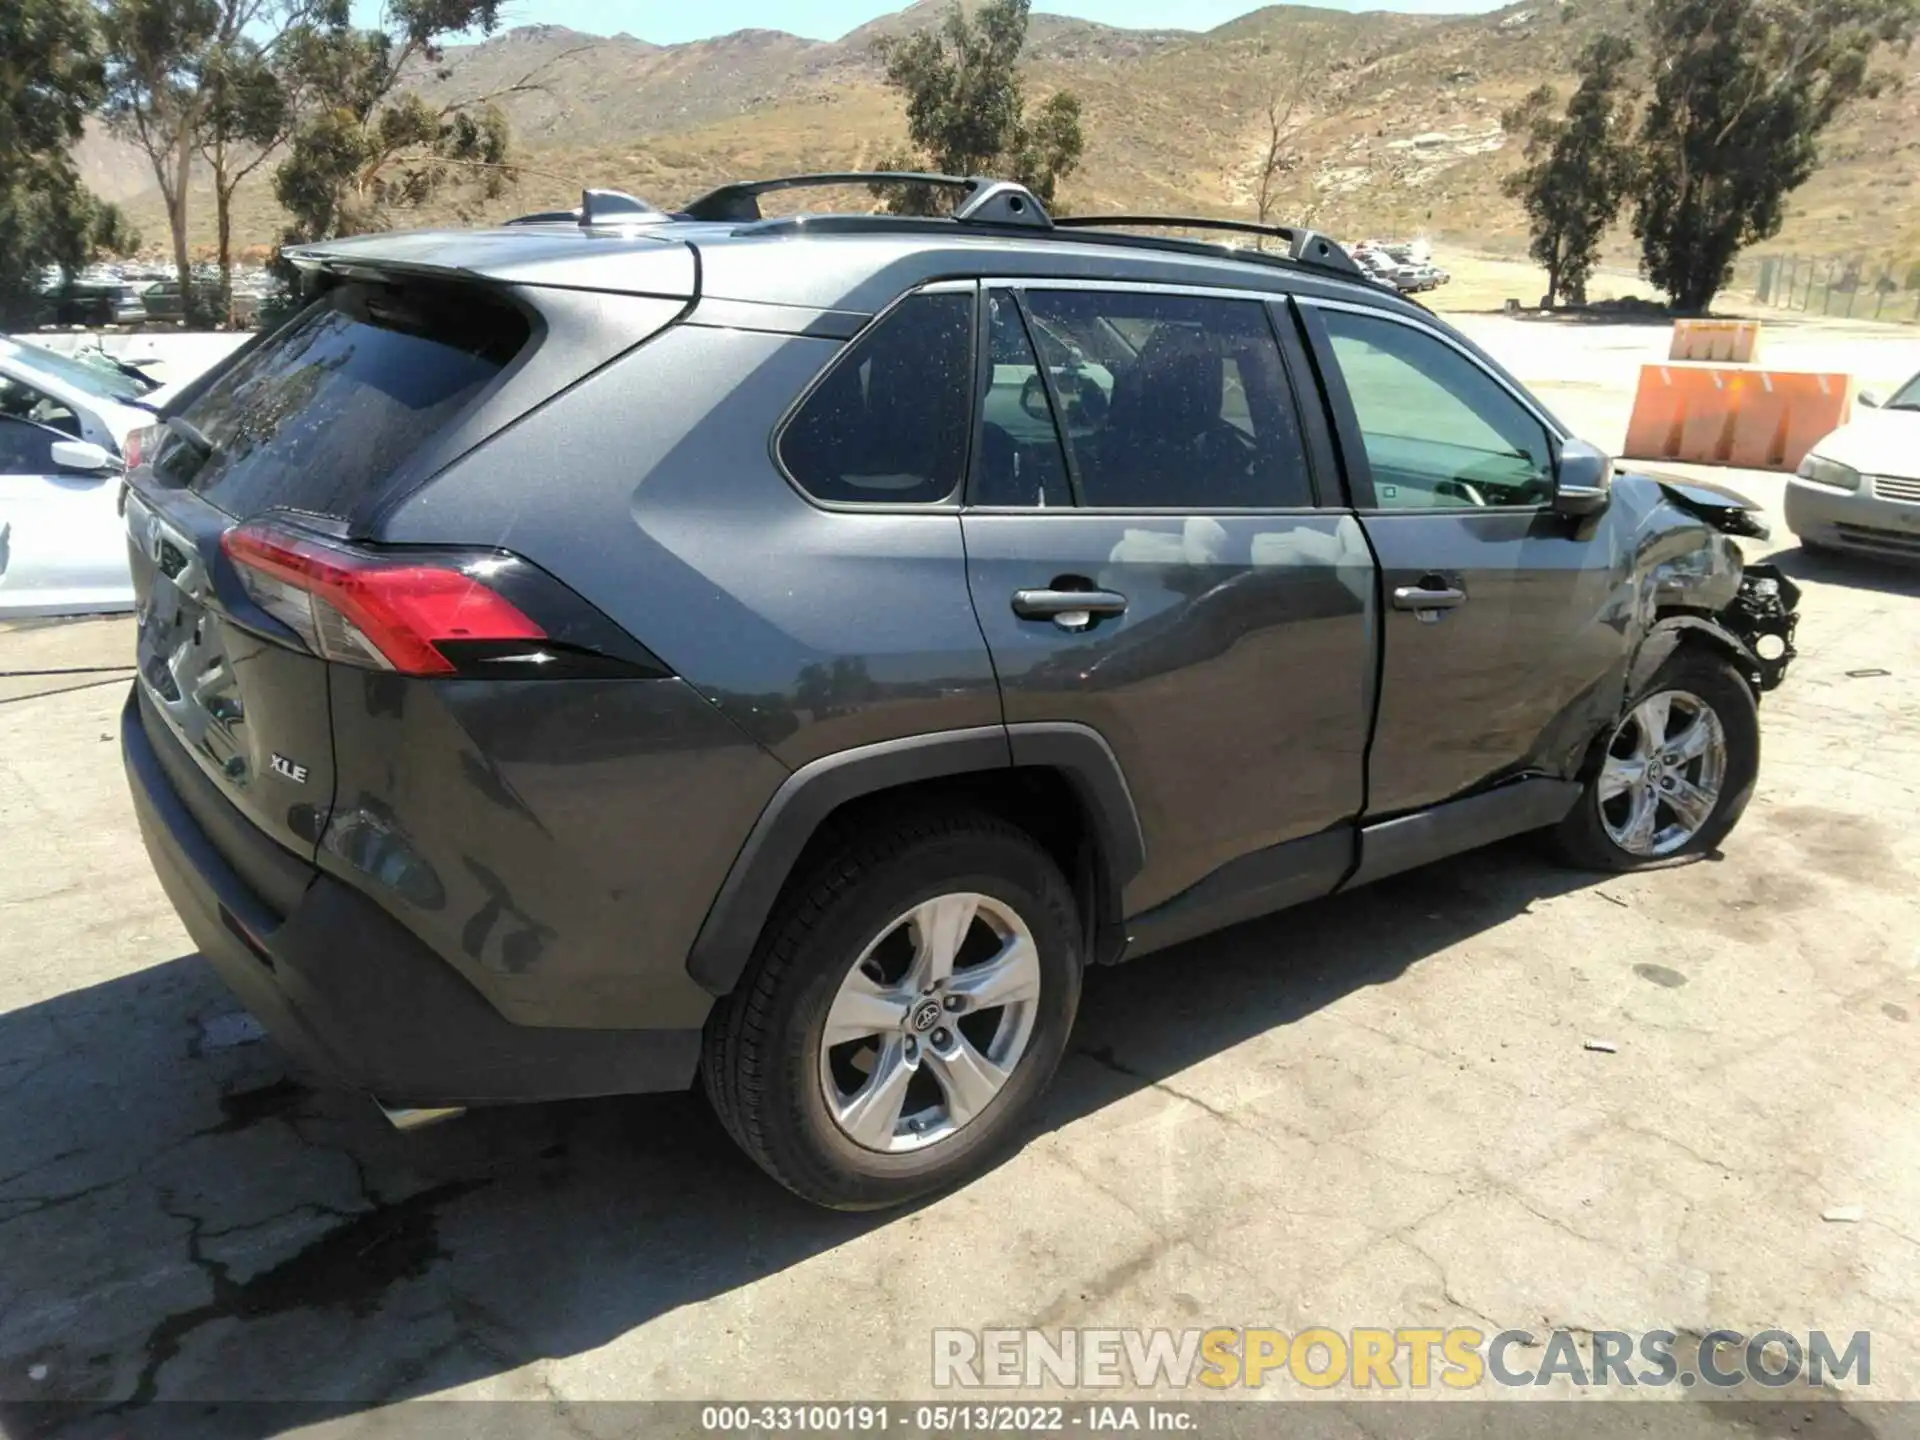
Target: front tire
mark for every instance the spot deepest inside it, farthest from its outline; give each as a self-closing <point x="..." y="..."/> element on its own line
<point x="1672" y="779"/>
<point x="905" y="1008"/>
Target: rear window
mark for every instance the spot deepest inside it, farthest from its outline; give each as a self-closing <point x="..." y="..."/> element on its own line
<point x="323" y="413"/>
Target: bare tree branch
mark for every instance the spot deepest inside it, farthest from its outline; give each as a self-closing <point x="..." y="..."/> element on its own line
<point x="526" y="84"/>
<point x="1295" y="89"/>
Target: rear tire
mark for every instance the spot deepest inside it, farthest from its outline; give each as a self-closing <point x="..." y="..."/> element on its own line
<point x="1655" y="800"/>
<point x="861" y="1121"/>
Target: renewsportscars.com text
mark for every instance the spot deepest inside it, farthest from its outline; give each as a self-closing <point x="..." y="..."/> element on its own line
<point x="1321" y="1358"/>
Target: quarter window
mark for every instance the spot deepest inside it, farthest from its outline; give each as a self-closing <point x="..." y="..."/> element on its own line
<point x="1171" y="401"/>
<point x="1440" y="432"/>
<point x="889" y="421"/>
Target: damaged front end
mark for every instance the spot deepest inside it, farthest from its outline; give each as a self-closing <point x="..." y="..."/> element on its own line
<point x="1764" y="612"/>
<point x="1756" y="624"/>
<point x="1763" y="615"/>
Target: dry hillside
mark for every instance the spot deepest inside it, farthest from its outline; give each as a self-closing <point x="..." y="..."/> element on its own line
<point x="1408" y="139"/>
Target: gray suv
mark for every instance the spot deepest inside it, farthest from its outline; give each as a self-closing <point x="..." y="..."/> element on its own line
<point x="619" y="648"/>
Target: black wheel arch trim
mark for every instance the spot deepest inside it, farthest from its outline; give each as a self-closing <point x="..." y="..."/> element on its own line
<point x="1667" y="634"/>
<point x="813" y="792"/>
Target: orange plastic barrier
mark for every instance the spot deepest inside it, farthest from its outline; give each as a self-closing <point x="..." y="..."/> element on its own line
<point x="1731" y="342"/>
<point x="1713" y="415"/>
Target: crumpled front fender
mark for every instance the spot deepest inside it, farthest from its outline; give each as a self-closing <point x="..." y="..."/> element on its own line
<point x="1692" y="583"/>
<point x="1754" y="630"/>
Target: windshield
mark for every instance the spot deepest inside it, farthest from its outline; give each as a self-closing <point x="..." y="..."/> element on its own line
<point x="1907" y="397"/>
<point x="104" y="381"/>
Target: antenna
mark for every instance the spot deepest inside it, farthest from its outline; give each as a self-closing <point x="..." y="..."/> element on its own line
<point x="615" y="207"/>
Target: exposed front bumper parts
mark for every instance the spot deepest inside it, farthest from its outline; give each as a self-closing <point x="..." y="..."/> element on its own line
<point x="1764" y="615"/>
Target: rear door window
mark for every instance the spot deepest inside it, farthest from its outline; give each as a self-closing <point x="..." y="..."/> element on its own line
<point x="319" y="417"/>
<point x="888" y="422"/>
<point x="1171" y="401"/>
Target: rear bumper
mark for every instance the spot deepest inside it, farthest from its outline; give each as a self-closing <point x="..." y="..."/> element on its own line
<point x="1846" y="520"/>
<point x="353" y="995"/>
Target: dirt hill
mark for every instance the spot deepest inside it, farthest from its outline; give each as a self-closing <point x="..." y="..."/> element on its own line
<point x="1408" y="140"/>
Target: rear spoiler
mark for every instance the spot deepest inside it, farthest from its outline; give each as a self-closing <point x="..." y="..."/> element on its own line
<point x="631" y="261"/>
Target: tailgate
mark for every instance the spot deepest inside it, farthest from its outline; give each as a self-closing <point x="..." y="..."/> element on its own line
<point x="295" y="444"/>
<point x="320" y="420"/>
<point x="250" y="710"/>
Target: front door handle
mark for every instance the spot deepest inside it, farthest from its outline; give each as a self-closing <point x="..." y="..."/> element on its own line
<point x="1069" y="609"/>
<point x="1418" y="597"/>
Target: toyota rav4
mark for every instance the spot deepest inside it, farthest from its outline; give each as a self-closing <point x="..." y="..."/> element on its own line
<point x="620" y="650"/>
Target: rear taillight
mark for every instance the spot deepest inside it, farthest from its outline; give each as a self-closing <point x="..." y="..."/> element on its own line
<point x="142" y="443"/>
<point x="386" y="612"/>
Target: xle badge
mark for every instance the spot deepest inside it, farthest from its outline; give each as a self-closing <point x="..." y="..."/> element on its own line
<point x="280" y="765"/>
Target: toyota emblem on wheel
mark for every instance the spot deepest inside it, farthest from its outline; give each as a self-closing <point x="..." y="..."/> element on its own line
<point x="926" y="1015"/>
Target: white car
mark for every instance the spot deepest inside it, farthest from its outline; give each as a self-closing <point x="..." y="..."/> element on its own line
<point x="64" y="425"/>
<point x="95" y="402"/>
<point x="1859" y="488"/>
<point x="63" y="544"/>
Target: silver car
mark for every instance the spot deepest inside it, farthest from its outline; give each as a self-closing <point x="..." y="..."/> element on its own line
<point x="1859" y="488"/>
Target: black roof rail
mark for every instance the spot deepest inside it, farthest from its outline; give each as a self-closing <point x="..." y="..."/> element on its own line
<point x="985" y="201"/>
<point x="1306" y="247"/>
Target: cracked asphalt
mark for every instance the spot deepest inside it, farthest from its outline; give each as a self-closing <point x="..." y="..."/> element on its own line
<point x="1374" y="1110"/>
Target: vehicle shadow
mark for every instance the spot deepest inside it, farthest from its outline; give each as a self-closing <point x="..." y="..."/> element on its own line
<point x="1861" y="572"/>
<point x="185" y="1221"/>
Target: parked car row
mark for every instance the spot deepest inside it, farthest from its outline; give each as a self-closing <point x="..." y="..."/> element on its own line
<point x="1400" y="272"/>
<point x="116" y="295"/>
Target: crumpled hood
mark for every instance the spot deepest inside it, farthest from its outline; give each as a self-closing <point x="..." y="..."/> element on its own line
<point x="1876" y="442"/>
<point x="1721" y="506"/>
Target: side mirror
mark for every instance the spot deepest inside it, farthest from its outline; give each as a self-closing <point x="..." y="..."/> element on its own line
<point x="83" y="455"/>
<point x="1872" y="399"/>
<point x="1583" y="480"/>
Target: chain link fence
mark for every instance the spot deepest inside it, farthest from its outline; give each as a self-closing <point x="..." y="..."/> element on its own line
<point x="1847" y="287"/>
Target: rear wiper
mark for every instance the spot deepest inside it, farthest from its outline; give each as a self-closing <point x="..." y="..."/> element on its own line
<point x="191" y="436"/>
<point x="179" y="472"/>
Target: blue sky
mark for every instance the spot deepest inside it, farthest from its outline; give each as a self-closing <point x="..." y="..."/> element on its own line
<point x="667" y="23"/>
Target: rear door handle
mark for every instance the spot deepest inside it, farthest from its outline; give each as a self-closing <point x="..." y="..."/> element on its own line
<point x="1418" y="597"/>
<point x="1069" y="609"/>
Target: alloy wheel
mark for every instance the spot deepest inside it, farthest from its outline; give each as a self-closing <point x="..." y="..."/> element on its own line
<point x="929" y="1022"/>
<point x="1665" y="768"/>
